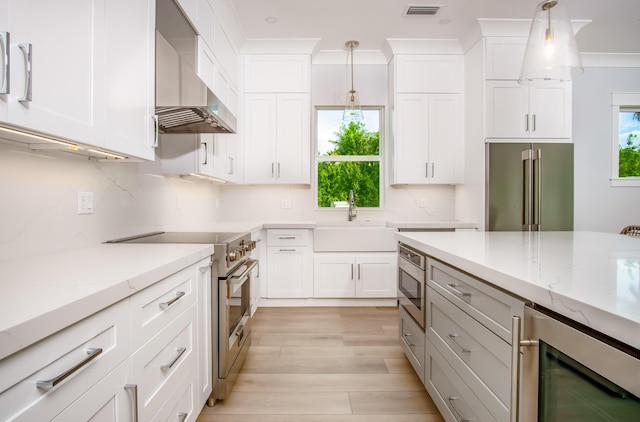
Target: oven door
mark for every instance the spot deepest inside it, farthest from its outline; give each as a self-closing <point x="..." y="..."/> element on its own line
<point x="411" y="290"/>
<point x="570" y="375"/>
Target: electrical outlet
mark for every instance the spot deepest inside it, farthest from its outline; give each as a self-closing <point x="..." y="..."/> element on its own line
<point x="85" y="202"/>
<point x="423" y="202"/>
<point x="286" y="203"/>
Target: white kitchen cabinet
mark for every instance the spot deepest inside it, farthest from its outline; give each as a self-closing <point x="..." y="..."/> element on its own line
<point x="277" y="139"/>
<point x="290" y="263"/>
<point x="188" y="154"/>
<point x="520" y="112"/>
<point x="94" y="347"/>
<point x="412" y="342"/>
<point x="66" y="73"/>
<point x="269" y="73"/>
<point x="360" y="275"/>
<point x="130" y="78"/>
<point x="504" y="57"/>
<point x="204" y="24"/>
<point x="206" y="355"/>
<point x="210" y="69"/>
<point x="425" y="73"/>
<point x="428" y="142"/>
<point x="108" y="400"/>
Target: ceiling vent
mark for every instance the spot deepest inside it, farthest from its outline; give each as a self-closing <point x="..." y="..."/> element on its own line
<point x="421" y="10"/>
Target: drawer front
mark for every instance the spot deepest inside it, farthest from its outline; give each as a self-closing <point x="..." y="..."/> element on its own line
<point x="108" y="400"/>
<point x="288" y="237"/>
<point x="454" y="398"/>
<point x="87" y="351"/>
<point x="491" y="307"/>
<point x="472" y="350"/>
<point x="181" y="406"/>
<point x="162" y="361"/>
<point x="156" y="306"/>
<point x="412" y="341"/>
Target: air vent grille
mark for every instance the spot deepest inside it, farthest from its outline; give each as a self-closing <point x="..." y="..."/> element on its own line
<point x="414" y="9"/>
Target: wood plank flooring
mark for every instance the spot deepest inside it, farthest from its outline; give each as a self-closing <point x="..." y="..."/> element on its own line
<point x="325" y="365"/>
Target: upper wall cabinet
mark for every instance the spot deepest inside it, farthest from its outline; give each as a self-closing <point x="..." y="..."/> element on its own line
<point x="98" y="90"/>
<point x="277" y="73"/>
<point x="56" y="68"/>
<point x="504" y="57"/>
<point x="514" y="111"/>
<point x="419" y="73"/>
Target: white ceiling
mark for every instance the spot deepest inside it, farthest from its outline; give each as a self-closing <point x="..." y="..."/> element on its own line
<point x="615" y="25"/>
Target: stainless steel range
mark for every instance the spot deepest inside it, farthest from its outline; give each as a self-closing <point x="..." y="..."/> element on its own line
<point x="230" y="291"/>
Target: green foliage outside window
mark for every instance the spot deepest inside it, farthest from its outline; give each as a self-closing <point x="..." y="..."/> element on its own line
<point x="629" y="161"/>
<point x="336" y="178"/>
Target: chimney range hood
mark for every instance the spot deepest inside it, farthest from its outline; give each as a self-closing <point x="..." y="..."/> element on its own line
<point x="184" y="103"/>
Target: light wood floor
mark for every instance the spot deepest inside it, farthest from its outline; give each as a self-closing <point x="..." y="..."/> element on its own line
<point x="325" y="365"/>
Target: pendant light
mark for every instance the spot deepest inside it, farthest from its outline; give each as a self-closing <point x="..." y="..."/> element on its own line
<point x="551" y="55"/>
<point x="352" y="111"/>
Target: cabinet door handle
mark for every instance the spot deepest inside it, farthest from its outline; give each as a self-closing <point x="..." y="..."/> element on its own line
<point x="406" y="338"/>
<point x="287" y="250"/>
<point x="132" y="389"/>
<point x="433" y="169"/>
<point x="358" y="271"/>
<point x="526" y="123"/>
<point x="278" y="170"/>
<point x="168" y="366"/>
<point x="454" y="289"/>
<point x="534" y="122"/>
<point x="453" y="337"/>
<point x="230" y="167"/>
<point x="426" y="169"/>
<point x="27" y="50"/>
<point x="165" y="305"/>
<point x="206" y="153"/>
<point x="156" y="123"/>
<point x="351" y="271"/>
<point x="6" y="60"/>
<point x="182" y="416"/>
<point x="451" y="400"/>
<point x="286" y="237"/>
<point x="272" y="169"/>
<point x="48" y="384"/>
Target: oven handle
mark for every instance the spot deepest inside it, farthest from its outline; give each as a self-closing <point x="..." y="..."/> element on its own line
<point x="239" y="278"/>
<point x="514" y="407"/>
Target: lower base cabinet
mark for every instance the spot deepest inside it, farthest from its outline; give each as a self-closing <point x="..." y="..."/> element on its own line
<point x="360" y="275"/>
<point x="95" y="370"/>
<point x="412" y="342"/>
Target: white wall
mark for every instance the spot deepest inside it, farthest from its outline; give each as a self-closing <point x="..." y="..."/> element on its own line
<point x="39" y="194"/>
<point x="329" y="85"/>
<point x="598" y="206"/>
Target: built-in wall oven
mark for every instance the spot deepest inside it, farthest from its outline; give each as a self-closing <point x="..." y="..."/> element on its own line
<point x="230" y="295"/>
<point x="412" y="270"/>
<point x="571" y="373"/>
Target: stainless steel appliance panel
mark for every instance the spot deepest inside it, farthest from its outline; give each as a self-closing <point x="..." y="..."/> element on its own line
<point x="412" y="282"/>
<point x="529" y="186"/>
<point x="572" y="373"/>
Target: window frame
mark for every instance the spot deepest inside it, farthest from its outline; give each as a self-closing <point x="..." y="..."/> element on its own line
<point x="628" y="101"/>
<point x="342" y="158"/>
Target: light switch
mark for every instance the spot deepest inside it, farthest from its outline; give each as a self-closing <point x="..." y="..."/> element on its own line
<point x="85" y="202"/>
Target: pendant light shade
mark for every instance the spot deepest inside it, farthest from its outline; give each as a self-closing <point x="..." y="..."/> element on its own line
<point x="551" y="55"/>
<point x="352" y="111"/>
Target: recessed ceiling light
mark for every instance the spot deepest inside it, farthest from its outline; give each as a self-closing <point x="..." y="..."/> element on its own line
<point x="271" y="19"/>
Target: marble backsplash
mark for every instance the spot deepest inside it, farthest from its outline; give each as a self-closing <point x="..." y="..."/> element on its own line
<point x="39" y="200"/>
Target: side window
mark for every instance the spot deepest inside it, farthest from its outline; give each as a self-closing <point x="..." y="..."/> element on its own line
<point x="625" y="152"/>
<point x="348" y="158"/>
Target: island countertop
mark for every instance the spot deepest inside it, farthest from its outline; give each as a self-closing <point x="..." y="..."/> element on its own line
<point x="592" y="278"/>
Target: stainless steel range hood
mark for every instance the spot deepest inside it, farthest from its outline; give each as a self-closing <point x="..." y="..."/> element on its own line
<point x="184" y="103"/>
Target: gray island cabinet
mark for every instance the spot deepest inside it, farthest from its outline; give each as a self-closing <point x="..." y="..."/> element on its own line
<point x="477" y="282"/>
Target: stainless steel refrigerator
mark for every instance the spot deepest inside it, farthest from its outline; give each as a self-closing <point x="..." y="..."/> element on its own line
<point x="529" y="186"/>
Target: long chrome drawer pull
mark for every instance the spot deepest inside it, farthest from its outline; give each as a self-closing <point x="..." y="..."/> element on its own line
<point x="287" y="250"/>
<point x="455" y="290"/>
<point x="165" y="305"/>
<point x="452" y="337"/>
<point x="132" y="389"/>
<point x="156" y="123"/>
<point x="28" y="55"/>
<point x="455" y="412"/>
<point x="182" y="416"/>
<point x="514" y="405"/>
<point x="406" y="338"/>
<point x="286" y="237"/>
<point x="48" y="384"/>
<point x="6" y="53"/>
<point x="180" y="351"/>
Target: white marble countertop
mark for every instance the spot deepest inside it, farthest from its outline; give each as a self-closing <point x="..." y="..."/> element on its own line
<point x="592" y="278"/>
<point x="43" y="294"/>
